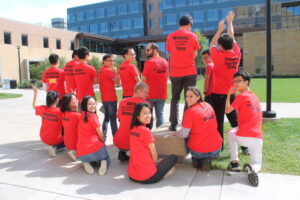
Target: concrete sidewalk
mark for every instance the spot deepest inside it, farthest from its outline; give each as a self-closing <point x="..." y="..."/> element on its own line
<point x="27" y="172"/>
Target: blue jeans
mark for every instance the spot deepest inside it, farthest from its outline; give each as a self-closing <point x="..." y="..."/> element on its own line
<point x="97" y="156"/>
<point x="197" y="155"/>
<point x="110" y="115"/>
<point x="158" y="105"/>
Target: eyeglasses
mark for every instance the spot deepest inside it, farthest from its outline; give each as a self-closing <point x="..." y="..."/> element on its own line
<point x="237" y="81"/>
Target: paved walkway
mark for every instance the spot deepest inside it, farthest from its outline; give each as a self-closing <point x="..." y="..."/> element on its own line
<point x="26" y="171"/>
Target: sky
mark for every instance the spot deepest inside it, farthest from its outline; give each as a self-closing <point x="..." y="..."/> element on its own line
<point x="39" y="11"/>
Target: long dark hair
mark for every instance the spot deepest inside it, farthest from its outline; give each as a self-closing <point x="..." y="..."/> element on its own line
<point x="64" y="105"/>
<point x="83" y="105"/>
<point x="51" y="98"/>
<point x="137" y="110"/>
<point x="196" y="91"/>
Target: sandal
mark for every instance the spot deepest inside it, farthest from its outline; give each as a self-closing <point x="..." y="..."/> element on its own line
<point x="252" y="175"/>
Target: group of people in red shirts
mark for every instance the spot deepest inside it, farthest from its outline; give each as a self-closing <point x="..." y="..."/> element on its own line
<point x="202" y="125"/>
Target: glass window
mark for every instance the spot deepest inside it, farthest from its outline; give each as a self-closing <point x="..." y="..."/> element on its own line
<point x="24" y="40"/>
<point x="180" y="3"/>
<point x="123" y="9"/>
<point x="167" y="4"/>
<point x="134" y="35"/>
<point x="151" y="23"/>
<point x="208" y="1"/>
<point x="138" y="22"/>
<point x="71" y="18"/>
<point x="7" y="38"/>
<point x="103" y="27"/>
<point x="212" y="15"/>
<point x="46" y="42"/>
<point x="193" y="2"/>
<point x="58" y="44"/>
<point x="134" y="7"/>
<point x="80" y="16"/>
<point x="198" y="16"/>
<point x="126" y="24"/>
<point x="151" y="8"/>
<point x="171" y="19"/>
<point x="72" y="45"/>
<point x="94" y="28"/>
<point x="115" y="26"/>
<point x="225" y="12"/>
<point x="111" y="11"/>
<point x="100" y="13"/>
<point x="84" y="28"/>
<point x="89" y="14"/>
<point x="160" y="6"/>
<point x="161" y="23"/>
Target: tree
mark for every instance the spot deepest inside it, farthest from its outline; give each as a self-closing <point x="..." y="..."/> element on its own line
<point x="203" y="43"/>
<point x="95" y="62"/>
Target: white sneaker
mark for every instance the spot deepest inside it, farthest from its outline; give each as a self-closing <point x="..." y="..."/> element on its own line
<point x="51" y="151"/>
<point x="88" y="168"/>
<point x="72" y="155"/>
<point x="170" y="172"/>
<point x="103" y="167"/>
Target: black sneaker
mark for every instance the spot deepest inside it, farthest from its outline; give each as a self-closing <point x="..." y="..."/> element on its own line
<point x="252" y="175"/>
<point x="123" y="156"/>
<point x="234" y="166"/>
<point x="173" y="127"/>
<point x="206" y="164"/>
<point x="196" y="163"/>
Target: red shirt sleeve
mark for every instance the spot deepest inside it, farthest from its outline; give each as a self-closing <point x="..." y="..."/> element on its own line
<point x="133" y="71"/>
<point x="196" y="43"/>
<point x="238" y="102"/>
<point x="44" y="78"/>
<point x="236" y="49"/>
<point x="147" y="136"/>
<point x="168" y="43"/>
<point x="214" y="52"/>
<point x="94" y="121"/>
<point x="187" y="119"/>
<point x="39" y="110"/>
<point x="146" y="69"/>
<point x="208" y="69"/>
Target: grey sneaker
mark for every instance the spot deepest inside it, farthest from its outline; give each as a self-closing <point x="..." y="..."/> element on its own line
<point x="72" y="155"/>
<point x="234" y="166"/>
<point x="51" y="151"/>
<point x="88" y="168"/>
<point x="103" y="168"/>
<point x="252" y="175"/>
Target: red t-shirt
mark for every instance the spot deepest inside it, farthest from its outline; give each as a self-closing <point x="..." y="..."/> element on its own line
<point x="156" y="71"/>
<point x="84" y="75"/>
<point x="125" y="111"/>
<point x="204" y="135"/>
<point x="69" y="78"/>
<point x="249" y="115"/>
<point x="70" y="123"/>
<point x="182" y="44"/>
<point x="225" y="65"/>
<point x="51" y="128"/>
<point x="141" y="164"/>
<point x="128" y="72"/>
<point x="54" y="78"/>
<point x="88" y="139"/>
<point x="209" y="72"/>
<point x="107" y="84"/>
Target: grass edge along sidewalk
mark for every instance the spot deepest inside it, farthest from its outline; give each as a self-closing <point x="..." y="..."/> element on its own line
<point x="9" y="95"/>
<point x="281" y="148"/>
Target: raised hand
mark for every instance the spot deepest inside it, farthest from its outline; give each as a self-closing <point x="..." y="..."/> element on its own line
<point x="35" y="89"/>
<point x="230" y="16"/>
<point x="222" y="26"/>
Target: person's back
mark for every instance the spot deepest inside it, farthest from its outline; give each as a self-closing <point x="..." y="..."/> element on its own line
<point x="107" y="84"/>
<point x="69" y="77"/>
<point x="182" y="45"/>
<point x="54" y="77"/>
<point x="84" y="75"/>
<point x="70" y="121"/>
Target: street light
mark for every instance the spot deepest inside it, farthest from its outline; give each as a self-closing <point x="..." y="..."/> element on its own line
<point x="269" y="113"/>
<point x="20" y="77"/>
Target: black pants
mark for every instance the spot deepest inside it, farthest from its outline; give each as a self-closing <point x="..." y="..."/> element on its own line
<point x="208" y="99"/>
<point x="162" y="169"/>
<point x="218" y="103"/>
<point x="179" y="83"/>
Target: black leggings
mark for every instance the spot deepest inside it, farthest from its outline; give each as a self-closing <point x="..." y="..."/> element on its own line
<point x="162" y="169"/>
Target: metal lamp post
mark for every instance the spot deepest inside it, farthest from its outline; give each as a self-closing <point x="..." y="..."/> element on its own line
<point x="269" y="113"/>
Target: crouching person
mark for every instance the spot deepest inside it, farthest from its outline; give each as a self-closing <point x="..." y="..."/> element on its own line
<point x="200" y="127"/>
<point x="144" y="165"/>
<point x="91" y="149"/>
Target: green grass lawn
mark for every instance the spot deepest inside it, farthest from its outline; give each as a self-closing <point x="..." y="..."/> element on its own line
<point x="283" y="89"/>
<point x="281" y="148"/>
<point x="9" y="95"/>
